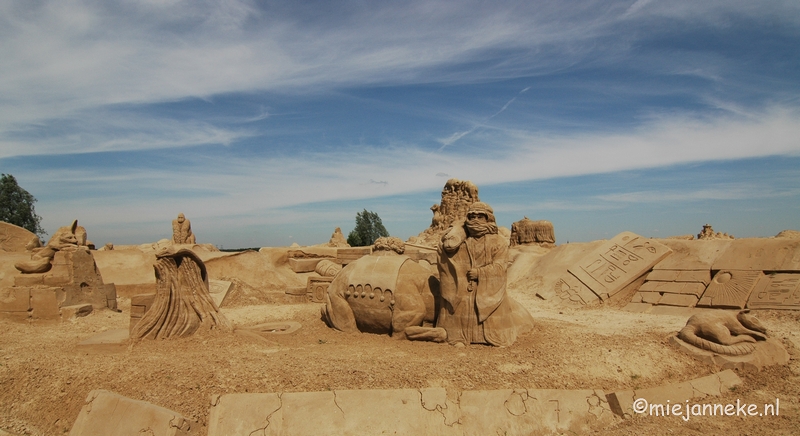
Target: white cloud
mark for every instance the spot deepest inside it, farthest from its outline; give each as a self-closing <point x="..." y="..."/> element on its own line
<point x="254" y="186"/>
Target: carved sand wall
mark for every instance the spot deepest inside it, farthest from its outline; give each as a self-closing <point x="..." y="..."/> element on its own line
<point x="755" y="273"/>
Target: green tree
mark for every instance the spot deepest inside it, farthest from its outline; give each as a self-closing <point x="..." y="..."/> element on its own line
<point x="368" y="228"/>
<point x="16" y="206"/>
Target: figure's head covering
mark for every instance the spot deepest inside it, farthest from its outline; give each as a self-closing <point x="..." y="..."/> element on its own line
<point x="477" y="228"/>
<point x="481" y="207"/>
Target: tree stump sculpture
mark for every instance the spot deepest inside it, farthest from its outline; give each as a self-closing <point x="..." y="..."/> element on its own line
<point x="182" y="304"/>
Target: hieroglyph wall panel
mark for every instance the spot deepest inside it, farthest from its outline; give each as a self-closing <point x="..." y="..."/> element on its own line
<point x="618" y="262"/>
<point x="776" y="291"/>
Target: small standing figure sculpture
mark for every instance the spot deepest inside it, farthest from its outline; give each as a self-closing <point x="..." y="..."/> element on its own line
<point x="182" y="231"/>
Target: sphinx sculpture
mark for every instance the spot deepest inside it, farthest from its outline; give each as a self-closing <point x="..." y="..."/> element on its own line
<point x="385" y="293"/>
<point x="65" y="238"/>
<point x="182" y="304"/>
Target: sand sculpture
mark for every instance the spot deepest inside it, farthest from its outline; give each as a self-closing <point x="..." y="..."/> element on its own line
<point x="788" y="234"/>
<point x="59" y="282"/>
<point x="472" y="273"/>
<point x="526" y="231"/>
<point x="730" y="340"/>
<point x="327" y="268"/>
<point x="16" y="239"/>
<point x="338" y="239"/>
<point x="182" y="231"/>
<point x="385" y="293"/>
<point x="457" y="196"/>
<point x="708" y="233"/>
<point x="723" y="332"/>
<point x="65" y="238"/>
<point x="182" y="303"/>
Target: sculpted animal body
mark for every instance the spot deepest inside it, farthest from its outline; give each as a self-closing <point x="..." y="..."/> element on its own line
<point x="723" y="332"/>
<point x="63" y="239"/>
<point x="384" y="293"/>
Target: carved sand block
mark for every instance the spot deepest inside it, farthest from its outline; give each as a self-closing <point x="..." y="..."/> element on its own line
<point x="131" y="270"/>
<point x="618" y="262"/>
<point x="760" y="254"/>
<point x="730" y="289"/>
<point x="621" y="402"/>
<point x="182" y="303"/>
<point x="692" y="255"/>
<point x="347" y="255"/>
<point x="317" y="288"/>
<point x="301" y="265"/>
<point x="16" y="239"/>
<point x="534" y="411"/>
<point x="369" y="412"/>
<point x="673" y="287"/>
<point x="109" y="414"/>
<point x="219" y="290"/>
<point x="571" y="291"/>
<point x="776" y="291"/>
<point x="426" y="411"/>
<point x="730" y="340"/>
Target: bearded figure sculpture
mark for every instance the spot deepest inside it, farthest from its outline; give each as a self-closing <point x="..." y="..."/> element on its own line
<point x="472" y="271"/>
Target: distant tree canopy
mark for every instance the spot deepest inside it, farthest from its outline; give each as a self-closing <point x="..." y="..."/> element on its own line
<point x="16" y="206"/>
<point x="368" y="228"/>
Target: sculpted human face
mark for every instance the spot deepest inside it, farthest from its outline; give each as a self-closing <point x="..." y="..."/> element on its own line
<point x="477" y="217"/>
<point x="477" y="223"/>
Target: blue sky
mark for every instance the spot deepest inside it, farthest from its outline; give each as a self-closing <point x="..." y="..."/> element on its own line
<point x="268" y="123"/>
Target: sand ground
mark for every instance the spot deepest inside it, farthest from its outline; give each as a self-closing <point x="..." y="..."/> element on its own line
<point x="45" y="376"/>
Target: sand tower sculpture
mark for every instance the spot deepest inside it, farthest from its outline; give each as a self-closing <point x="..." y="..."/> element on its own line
<point x="182" y="303"/>
<point x="457" y="196"/>
<point x="528" y="232"/>
<point x="338" y="239"/>
<point x="182" y="230"/>
<point x="708" y="233"/>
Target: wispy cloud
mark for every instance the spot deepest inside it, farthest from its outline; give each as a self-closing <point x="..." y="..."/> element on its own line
<point x="619" y="85"/>
<point x="733" y="191"/>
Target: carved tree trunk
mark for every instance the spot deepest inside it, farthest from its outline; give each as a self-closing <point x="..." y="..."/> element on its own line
<point x="183" y="303"/>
